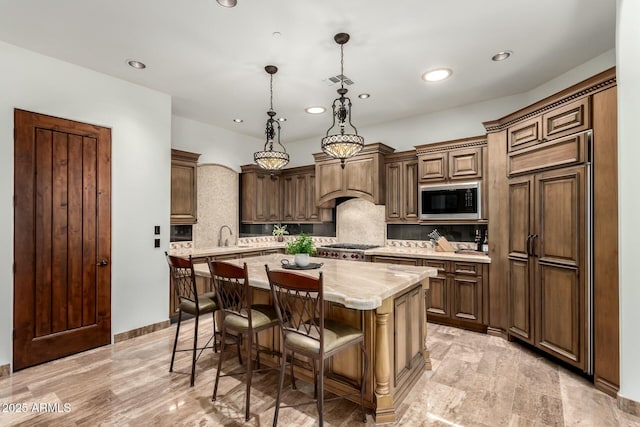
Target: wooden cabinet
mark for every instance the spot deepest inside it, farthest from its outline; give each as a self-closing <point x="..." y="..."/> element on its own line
<point x="401" y="175"/>
<point x="567" y="119"/>
<point x="547" y="262"/>
<point x="461" y="159"/>
<point x="453" y="161"/>
<point x="184" y="173"/>
<point x="261" y="200"/>
<point x="285" y="196"/>
<point x="362" y="176"/>
<point x="457" y="296"/>
<point x="407" y="333"/>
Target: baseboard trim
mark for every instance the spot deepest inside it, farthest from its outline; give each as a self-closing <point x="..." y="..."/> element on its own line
<point x="497" y="332"/>
<point x="123" y="336"/>
<point x="5" y="370"/>
<point x="629" y="406"/>
<point x="606" y="387"/>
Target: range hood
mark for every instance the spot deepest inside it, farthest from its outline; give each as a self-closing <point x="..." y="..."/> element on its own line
<point x="361" y="177"/>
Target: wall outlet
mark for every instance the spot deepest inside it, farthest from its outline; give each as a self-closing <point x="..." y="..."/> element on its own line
<point x="156" y="243"/>
<point x="156" y="230"/>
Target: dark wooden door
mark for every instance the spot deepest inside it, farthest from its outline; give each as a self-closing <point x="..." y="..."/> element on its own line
<point x="559" y="259"/>
<point x="62" y="238"/>
<point x="520" y="279"/>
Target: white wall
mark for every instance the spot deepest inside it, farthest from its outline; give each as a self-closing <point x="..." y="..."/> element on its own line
<point x="140" y="120"/>
<point x="460" y="122"/>
<point x="216" y="145"/>
<point x="628" y="54"/>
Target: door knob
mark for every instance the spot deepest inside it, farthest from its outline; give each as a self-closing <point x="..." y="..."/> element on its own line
<point x="102" y="263"/>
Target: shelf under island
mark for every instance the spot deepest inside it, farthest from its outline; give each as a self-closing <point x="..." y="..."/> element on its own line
<point x="385" y="301"/>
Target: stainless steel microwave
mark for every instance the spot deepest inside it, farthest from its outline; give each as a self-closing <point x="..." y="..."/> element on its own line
<point x="451" y="201"/>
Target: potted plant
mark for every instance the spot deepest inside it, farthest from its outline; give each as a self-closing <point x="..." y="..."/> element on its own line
<point x="279" y="231"/>
<point x="301" y="248"/>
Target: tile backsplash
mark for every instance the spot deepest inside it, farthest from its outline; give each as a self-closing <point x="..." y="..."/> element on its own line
<point x="452" y="232"/>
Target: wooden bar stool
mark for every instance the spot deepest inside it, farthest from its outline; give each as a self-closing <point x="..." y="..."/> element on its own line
<point x="241" y="316"/>
<point x="299" y="304"/>
<point x="183" y="278"/>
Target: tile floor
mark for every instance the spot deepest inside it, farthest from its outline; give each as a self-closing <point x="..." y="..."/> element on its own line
<point x="477" y="380"/>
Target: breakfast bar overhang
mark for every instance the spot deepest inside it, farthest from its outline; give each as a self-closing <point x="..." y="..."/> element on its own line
<point x="386" y="301"/>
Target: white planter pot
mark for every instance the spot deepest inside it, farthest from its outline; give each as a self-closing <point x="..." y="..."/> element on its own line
<point x="301" y="260"/>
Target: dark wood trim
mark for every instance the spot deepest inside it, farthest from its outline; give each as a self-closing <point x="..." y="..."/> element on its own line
<point x="144" y="330"/>
<point x="587" y="87"/>
<point x="5" y="370"/>
<point x="454" y="144"/>
<point x="184" y="156"/>
<point x="606" y="387"/>
<point x="401" y="156"/>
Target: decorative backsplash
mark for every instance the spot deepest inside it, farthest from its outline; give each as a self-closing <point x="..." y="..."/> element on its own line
<point x="427" y="244"/>
<point x="264" y="240"/>
<point x="178" y="246"/>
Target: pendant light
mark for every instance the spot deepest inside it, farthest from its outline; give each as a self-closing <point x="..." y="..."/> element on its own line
<point x="344" y="142"/>
<point x="269" y="158"/>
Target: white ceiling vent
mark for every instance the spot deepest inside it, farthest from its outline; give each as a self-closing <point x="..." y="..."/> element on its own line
<point x="336" y="79"/>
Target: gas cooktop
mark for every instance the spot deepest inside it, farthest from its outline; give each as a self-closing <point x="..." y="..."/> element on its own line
<point x="354" y="246"/>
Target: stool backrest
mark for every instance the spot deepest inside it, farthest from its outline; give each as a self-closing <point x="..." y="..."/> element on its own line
<point x="231" y="284"/>
<point x="298" y="300"/>
<point x="183" y="278"/>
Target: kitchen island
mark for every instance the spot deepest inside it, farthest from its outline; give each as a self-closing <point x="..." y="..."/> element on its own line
<point x="385" y="301"/>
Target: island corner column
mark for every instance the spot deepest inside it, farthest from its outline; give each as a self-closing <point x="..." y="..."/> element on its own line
<point x="425" y="351"/>
<point x="384" y="411"/>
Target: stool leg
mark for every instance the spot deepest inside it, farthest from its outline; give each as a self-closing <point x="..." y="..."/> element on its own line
<point x="320" y="392"/>
<point x="293" y="378"/>
<point x="249" y="375"/>
<point x="220" y="356"/>
<point x="195" y="346"/>
<point x="280" y="385"/>
<point x="175" y="341"/>
<point x="215" y="343"/>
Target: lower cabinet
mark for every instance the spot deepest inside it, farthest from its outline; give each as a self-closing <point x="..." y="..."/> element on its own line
<point x="457" y="295"/>
<point x="407" y="334"/>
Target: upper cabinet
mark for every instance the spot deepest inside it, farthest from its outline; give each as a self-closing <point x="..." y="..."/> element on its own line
<point x="401" y="175"/>
<point x="362" y="176"/>
<point x="460" y="159"/>
<point x="555" y="123"/>
<point x="184" y="202"/>
<point x="283" y="196"/>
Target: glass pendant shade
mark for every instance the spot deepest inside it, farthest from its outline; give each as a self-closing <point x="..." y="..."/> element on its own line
<point x="342" y="140"/>
<point x="270" y="158"/>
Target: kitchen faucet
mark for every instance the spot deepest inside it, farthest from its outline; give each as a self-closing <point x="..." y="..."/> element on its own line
<point x="226" y="241"/>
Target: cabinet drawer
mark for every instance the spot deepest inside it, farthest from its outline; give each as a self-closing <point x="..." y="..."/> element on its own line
<point x="465" y="163"/>
<point x="432" y="167"/>
<point x="525" y="134"/>
<point x="440" y="265"/>
<point x="565" y="120"/>
<point x="559" y="152"/>
<point x="469" y="268"/>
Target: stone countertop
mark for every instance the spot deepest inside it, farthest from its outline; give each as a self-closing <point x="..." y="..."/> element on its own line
<point x="415" y="252"/>
<point x="225" y="250"/>
<point x="357" y="285"/>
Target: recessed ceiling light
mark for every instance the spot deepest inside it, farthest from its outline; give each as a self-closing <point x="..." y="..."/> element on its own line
<point x="501" y="56"/>
<point x="437" y="75"/>
<point x="238" y="120"/>
<point x="136" y="64"/>
<point x="282" y="119"/>
<point x="364" y="96"/>
<point x="227" y="3"/>
<point x="276" y="34"/>
<point x="315" y="110"/>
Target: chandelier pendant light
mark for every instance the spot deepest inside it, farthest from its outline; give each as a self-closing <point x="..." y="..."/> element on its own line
<point x="270" y="158"/>
<point x="342" y="140"/>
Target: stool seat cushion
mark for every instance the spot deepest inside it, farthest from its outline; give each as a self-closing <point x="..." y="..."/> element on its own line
<point x="336" y="334"/>
<point x="207" y="305"/>
<point x="261" y="315"/>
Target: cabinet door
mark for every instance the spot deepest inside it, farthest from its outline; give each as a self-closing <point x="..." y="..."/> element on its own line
<point x="301" y="198"/>
<point x="393" y="174"/>
<point x="261" y="197"/>
<point x="437" y="301"/>
<point x="314" y="213"/>
<point x="559" y="253"/>
<point x="520" y="289"/>
<point x="464" y="164"/>
<point x="289" y="198"/>
<point x="396" y="260"/>
<point x="432" y="167"/>
<point x="359" y="177"/>
<point x="410" y="190"/>
<point x="467" y="298"/>
<point x="183" y="192"/>
<point x="272" y="198"/>
<point x="525" y="134"/>
<point x="570" y="118"/>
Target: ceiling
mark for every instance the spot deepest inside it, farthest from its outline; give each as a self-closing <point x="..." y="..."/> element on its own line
<point x="211" y="59"/>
